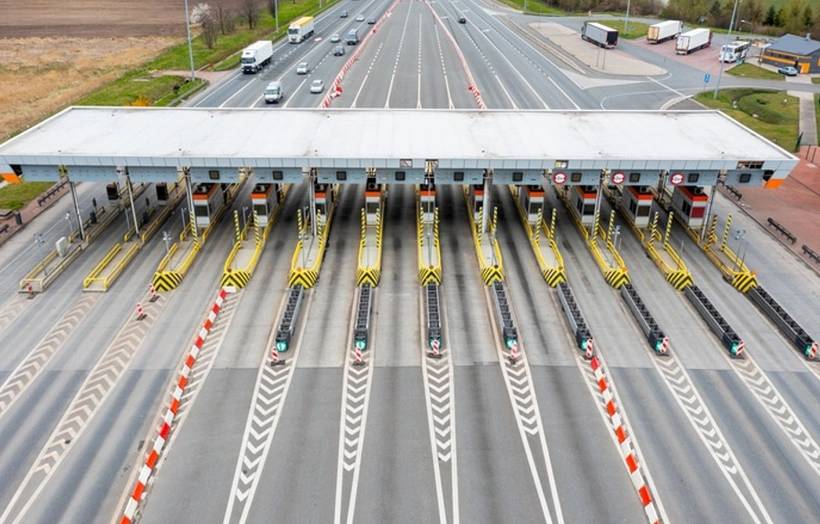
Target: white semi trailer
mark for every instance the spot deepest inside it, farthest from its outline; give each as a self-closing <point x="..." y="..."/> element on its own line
<point x="599" y="34"/>
<point x="663" y="31"/>
<point x="693" y="40"/>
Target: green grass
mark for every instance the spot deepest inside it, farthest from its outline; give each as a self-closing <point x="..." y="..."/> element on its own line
<point x="817" y="111"/>
<point x="815" y="80"/>
<point x="752" y="71"/>
<point x="777" y="112"/>
<point x="15" y="196"/>
<point x="636" y="29"/>
<point x="138" y="88"/>
<point x="534" y="7"/>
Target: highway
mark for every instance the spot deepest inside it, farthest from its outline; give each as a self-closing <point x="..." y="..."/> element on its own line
<point x="325" y="441"/>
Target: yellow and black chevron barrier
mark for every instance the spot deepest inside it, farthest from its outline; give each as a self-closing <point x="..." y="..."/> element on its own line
<point x="370" y="272"/>
<point x="429" y="271"/>
<point x="616" y="278"/>
<point x="307" y="277"/>
<point x="166" y="280"/>
<point x="553" y="274"/>
<point x="237" y="278"/>
<point x="490" y="272"/>
<point x="680" y="280"/>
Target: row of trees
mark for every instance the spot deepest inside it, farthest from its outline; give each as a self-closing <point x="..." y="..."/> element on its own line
<point x="219" y="17"/>
<point x="796" y="16"/>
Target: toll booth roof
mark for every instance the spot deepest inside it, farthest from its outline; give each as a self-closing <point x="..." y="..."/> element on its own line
<point x="126" y="136"/>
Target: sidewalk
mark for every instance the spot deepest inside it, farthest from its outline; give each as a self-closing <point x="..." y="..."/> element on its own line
<point x="808" y="122"/>
<point x="795" y="205"/>
<point x="8" y="222"/>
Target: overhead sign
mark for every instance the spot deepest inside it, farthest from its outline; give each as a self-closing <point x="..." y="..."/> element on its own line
<point x="676" y="179"/>
<point x="618" y="177"/>
<point x="559" y="178"/>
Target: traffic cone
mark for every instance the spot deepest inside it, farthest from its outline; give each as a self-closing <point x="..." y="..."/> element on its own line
<point x="140" y="312"/>
<point x="153" y="292"/>
<point x="274" y="358"/>
<point x="357" y="353"/>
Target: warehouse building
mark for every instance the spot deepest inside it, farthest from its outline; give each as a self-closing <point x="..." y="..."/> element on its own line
<point x="791" y="50"/>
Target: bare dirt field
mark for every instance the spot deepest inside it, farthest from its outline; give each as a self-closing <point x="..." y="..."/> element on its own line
<point x="95" y="18"/>
<point x="38" y="76"/>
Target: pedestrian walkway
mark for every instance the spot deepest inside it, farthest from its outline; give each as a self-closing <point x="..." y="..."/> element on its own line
<point x="10" y="224"/>
<point x="808" y="121"/>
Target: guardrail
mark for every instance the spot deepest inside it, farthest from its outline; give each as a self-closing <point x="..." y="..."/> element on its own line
<point x="658" y="341"/>
<point x="56" y="188"/>
<point x="730" y="340"/>
<point x="368" y="272"/>
<point x="553" y="274"/>
<point x="810" y="253"/>
<point x="428" y="273"/>
<point x="577" y="323"/>
<point x="789" y="327"/>
<point x="287" y="324"/>
<point x="731" y="189"/>
<point x="307" y="277"/>
<point x="782" y="229"/>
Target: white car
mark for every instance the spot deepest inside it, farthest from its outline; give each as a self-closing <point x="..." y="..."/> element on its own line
<point x="302" y="68"/>
<point x="360" y="18"/>
<point x="317" y="86"/>
<point x="335" y="38"/>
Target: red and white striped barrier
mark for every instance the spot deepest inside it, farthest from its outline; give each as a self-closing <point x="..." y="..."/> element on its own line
<point x="168" y="419"/>
<point x="664" y="349"/>
<point x="336" y="86"/>
<point x="357" y="356"/>
<point x="472" y="87"/>
<point x="624" y="443"/>
<point x="140" y="312"/>
<point x="812" y="353"/>
<point x="435" y="349"/>
<point x="514" y="354"/>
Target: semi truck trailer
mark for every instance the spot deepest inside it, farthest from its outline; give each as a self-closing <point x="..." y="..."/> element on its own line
<point x="599" y="34"/>
<point x="300" y="29"/>
<point x="693" y="40"/>
<point x="256" y="56"/>
<point x="663" y="31"/>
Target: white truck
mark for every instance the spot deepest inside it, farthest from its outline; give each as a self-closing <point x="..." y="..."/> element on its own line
<point x="300" y="29"/>
<point x="599" y="34"/>
<point x="693" y="40"/>
<point x="663" y="31"/>
<point x="256" y="56"/>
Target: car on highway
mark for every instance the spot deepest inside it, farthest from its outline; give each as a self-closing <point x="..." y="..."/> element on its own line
<point x="371" y="20"/>
<point x="462" y="19"/>
<point x="335" y="38"/>
<point x="274" y="93"/>
<point x="317" y="86"/>
<point x="338" y="50"/>
<point x="360" y="18"/>
<point x="302" y="68"/>
<point x="787" y="70"/>
<point x="344" y="14"/>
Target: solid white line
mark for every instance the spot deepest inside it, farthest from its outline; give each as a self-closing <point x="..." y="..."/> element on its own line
<point x="453" y="454"/>
<point x="444" y="69"/>
<point x="293" y="95"/>
<point x="418" y="80"/>
<point x="367" y="75"/>
<point x="665" y="86"/>
<point x="398" y="56"/>
<point x="559" y="88"/>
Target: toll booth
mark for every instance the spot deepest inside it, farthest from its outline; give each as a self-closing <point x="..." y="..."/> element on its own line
<point x="208" y="200"/>
<point x="531" y="199"/>
<point x="112" y="191"/>
<point x="373" y="197"/>
<point x="162" y="191"/>
<point x="324" y="198"/>
<point x="476" y="200"/>
<point x="636" y="201"/>
<point x="583" y="199"/>
<point x="689" y="203"/>
<point x="427" y="198"/>
<point x="264" y="198"/>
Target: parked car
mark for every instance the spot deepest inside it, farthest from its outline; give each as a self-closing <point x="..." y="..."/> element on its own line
<point x="302" y="68"/>
<point x="344" y="14"/>
<point x="317" y="86"/>
<point x="371" y="20"/>
<point x="335" y="38"/>
<point x="360" y="18"/>
<point x="788" y="71"/>
<point x="338" y="50"/>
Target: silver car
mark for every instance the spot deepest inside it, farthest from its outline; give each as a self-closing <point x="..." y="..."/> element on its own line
<point x="360" y="18"/>
<point x="317" y="86"/>
<point x="302" y="68"/>
<point x="335" y="38"/>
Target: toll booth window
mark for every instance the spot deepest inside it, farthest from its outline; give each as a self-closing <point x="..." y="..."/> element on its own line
<point x="201" y="211"/>
<point x="693" y="178"/>
<point x="634" y="177"/>
<point x="535" y="207"/>
<point x="341" y="175"/>
<point x="685" y="207"/>
<point x="517" y="176"/>
<point x="372" y="208"/>
<point x="576" y="177"/>
<point x="401" y="176"/>
<point x="260" y="209"/>
<point x="643" y="211"/>
<point x="745" y="178"/>
<point x="633" y="207"/>
<point x="277" y="175"/>
<point x="213" y="174"/>
<point x="458" y="176"/>
<point x="589" y="209"/>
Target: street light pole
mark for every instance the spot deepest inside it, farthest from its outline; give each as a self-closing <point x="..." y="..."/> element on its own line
<point x="190" y="46"/>
<point x="720" y="56"/>
<point x="626" y="19"/>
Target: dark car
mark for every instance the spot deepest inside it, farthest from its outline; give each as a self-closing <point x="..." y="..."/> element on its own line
<point x="371" y="20"/>
<point x="462" y="19"/>
<point x="338" y="50"/>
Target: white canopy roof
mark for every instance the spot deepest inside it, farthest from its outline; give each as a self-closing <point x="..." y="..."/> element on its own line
<point x="197" y="137"/>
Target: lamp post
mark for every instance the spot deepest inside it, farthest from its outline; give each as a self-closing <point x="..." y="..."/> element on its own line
<point x="190" y="46"/>
<point x="626" y="18"/>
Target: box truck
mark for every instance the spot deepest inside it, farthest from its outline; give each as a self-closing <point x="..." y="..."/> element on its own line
<point x="735" y="51"/>
<point x="300" y="29"/>
<point x="599" y="34"/>
<point x="663" y="31"/>
<point x="256" y="56"/>
<point x="693" y="40"/>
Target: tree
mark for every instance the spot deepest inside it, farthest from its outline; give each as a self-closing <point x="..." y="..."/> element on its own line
<point x="771" y="16"/>
<point x="753" y="11"/>
<point x="808" y="18"/>
<point x="779" y="18"/>
<point x="202" y="15"/>
<point x="250" y="12"/>
<point x="224" y="17"/>
<point x="272" y="6"/>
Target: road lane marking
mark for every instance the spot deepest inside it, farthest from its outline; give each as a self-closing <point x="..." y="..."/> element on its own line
<point x="418" y="70"/>
<point x="688" y="398"/>
<point x="444" y="69"/>
<point x="367" y="74"/>
<point x="13" y="308"/>
<point x="524" y="402"/>
<point x="35" y="362"/>
<point x="269" y="394"/>
<point x="86" y="403"/>
<point x="398" y="56"/>
<point x="356" y="388"/>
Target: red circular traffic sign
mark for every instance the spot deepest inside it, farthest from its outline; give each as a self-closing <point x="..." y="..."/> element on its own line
<point x="559" y="177"/>
<point x="676" y="179"/>
<point x="618" y="177"/>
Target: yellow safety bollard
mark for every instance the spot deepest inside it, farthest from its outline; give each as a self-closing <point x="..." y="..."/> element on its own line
<point x="553" y="221"/>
